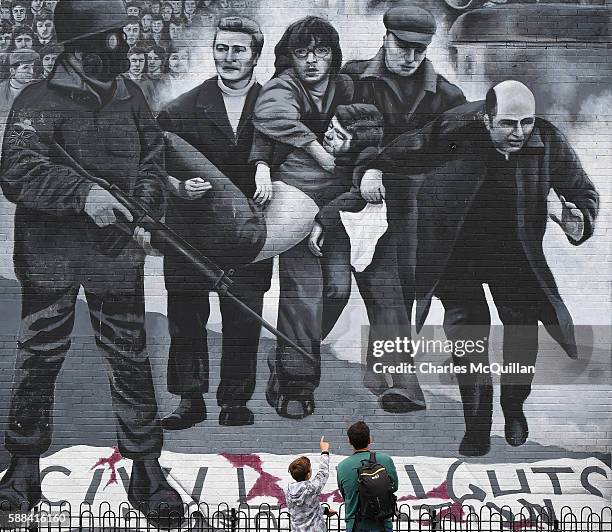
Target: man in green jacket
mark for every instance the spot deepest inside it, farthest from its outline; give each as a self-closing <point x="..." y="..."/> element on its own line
<point x="348" y="482"/>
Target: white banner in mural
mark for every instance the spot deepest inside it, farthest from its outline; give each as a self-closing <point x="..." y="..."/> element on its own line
<point x="95" y="475"/>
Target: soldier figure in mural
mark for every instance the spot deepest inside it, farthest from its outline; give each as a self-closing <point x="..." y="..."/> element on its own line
<point x="215" y="117"/>
<point x="83" y="116"/>
<point x="486" y="169"/>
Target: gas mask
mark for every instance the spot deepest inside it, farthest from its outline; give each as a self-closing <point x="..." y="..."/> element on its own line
<point x="104" y="55"/>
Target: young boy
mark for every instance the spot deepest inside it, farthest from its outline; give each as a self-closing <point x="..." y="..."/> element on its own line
<point x="303" y="495"/>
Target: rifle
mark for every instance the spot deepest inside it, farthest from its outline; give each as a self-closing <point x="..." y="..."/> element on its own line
<point x="165" y="235"/>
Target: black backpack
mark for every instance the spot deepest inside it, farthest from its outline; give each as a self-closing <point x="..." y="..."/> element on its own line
<point x="377" y="501"/>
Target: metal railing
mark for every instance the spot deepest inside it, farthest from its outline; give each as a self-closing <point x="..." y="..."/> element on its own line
<point x="265" y="518"/>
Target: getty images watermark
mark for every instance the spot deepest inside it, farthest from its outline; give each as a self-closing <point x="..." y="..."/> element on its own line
<point x="527" y="353"/>
<point x="459" y="348"/>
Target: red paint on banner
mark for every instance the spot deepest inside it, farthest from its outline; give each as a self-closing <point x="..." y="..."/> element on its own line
<point x="266" y="484"/>
<point x="111" y="462"/>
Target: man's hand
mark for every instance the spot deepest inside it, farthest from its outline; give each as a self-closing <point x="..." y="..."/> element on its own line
<point x="101" y="207"/>
<point x="263" y="182"/>
<point x="327" y="161"/>
<point x="323" y="445"/>
<point x="195" y="188"/>
<point x="143" y="238"/>
<point x="316" y="239"/>
<point x="372" y="188"/>
<point x="572" y="219"/>
<point x="324" y="159"/>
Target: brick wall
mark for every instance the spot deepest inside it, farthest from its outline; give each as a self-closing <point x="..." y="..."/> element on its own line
<point x="569" y="417"/>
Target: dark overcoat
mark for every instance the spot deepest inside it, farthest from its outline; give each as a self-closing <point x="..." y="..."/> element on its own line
<point x="55" y="241"/>
<point x="199" y="117"/>
<point x="437" y="173"/>
<point x="374" y="84"/>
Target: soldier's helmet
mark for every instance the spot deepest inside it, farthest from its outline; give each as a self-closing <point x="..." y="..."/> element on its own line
<point x="79" y="19"/>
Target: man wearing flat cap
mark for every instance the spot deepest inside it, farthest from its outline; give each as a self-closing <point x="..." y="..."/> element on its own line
<point x="407" y="90"/>
<point x="399" y="79"/>
<point x="21" y="64"/>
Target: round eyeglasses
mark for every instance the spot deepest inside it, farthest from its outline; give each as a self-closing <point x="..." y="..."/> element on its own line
<point x="318" y="51"/>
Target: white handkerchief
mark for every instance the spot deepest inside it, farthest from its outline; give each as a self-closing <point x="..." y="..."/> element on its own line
<point x="364" y="229"/>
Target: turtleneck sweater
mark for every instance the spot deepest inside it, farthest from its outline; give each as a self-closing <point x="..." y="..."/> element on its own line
<point x="234" y="100"/>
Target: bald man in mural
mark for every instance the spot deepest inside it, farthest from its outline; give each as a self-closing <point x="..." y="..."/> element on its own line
<point x="485" y="171"/>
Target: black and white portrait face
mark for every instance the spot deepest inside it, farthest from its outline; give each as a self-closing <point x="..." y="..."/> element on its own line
<point x="24" y="72"/>
<point x="403" y="58"/>
<point x="44" y="29"/>
<point x="190" y="7"/>
<point x="234" y="56"/>
<point x="177" y="7"/>
<point x="37" y="5"/>
<point x="5" y="13"/>
<point x="5" y="41"/>
<point x="166" y="12"/>
<point x="154" y="62"/>
<point x="19" y="13"/>
<point x="132" y="33"/>
<point x="137" y="65"/>
<point x="157" y="26"/>
<point x="48" y="62"/>
<point x="313" y="63"/>
<point x="174" y="31"/>
<point x="513" y="120"/>
<point x="133" y="11"/>
<point x="23" y="41"/>
<point x="178" y="62"/>
<point x="146" y="22"/>
<point x="337" y="139"/>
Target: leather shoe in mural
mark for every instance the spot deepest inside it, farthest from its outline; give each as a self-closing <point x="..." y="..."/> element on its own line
<point x="236" y="416"/>
<point x="516" y="428"/>
<point x="475" y="444"/>
<point x="398" y="400"/>
<point x="150" y="493"/>
<point x="290" y="389"/>
<point x="190" y="412"/>
<point x="20" y="485"/>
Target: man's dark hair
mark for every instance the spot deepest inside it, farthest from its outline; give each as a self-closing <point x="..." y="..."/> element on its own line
<point x="137" y="49"/>
<point x="359" y="435"/>
<point x="22" y="30"/>
<point x="43" y="14"/>
<point x="491" y="102"/>
<point x="300" y="468"/>
<point x="157" y="16"/>
<point x="244" y="25"/>
<point x="364" y="121"/>
<point x="300" y="34"/>
<point x="132" y="20"/>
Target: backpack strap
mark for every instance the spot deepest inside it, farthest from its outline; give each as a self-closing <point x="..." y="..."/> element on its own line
<point x="372" y="457"/>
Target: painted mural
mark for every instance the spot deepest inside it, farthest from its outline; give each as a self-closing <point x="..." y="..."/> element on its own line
<point x="232" y="227"/>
